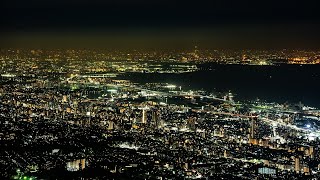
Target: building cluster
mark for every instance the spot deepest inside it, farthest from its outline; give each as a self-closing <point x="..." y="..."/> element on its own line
<point x="96" y="123"/>
<point x="138" y="60"/>
<point x="61" y="120"/>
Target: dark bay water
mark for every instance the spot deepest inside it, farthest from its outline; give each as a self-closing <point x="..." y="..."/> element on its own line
<point x="285" y="83"/>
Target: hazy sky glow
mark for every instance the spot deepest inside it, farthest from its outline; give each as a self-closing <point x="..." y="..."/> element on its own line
<point x="124" y="23"/>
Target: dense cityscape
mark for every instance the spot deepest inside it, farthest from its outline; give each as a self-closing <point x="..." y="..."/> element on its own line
<point x="71" y="114"/>
<point x="100" y="60"/>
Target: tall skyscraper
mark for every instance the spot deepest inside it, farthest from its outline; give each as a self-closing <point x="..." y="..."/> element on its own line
<point x="144" y="116"/>
<point x="252" y="136"/>
<point x="155" y="118"/>
<point x="252" y="128"/>
<point x="297" y="164"/>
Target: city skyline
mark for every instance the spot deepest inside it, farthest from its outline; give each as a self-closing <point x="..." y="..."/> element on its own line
<point x="163" y="89"/>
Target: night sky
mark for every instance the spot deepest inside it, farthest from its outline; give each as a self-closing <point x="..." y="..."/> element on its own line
<point x="166" y="23"/>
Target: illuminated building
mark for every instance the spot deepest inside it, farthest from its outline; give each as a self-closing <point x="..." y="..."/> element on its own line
<point x="191" y="124"/>
<point x="156" y="118"/>
<point x="110" y="125"/>
<point x="64" y="98"/>
<point x="252" y="136"/>
<point x="306" y="170"/>
<point x="297" y="164"/>
<point x="225" y="154"/>
<point x="311" y="151"/>
<point x="76" y="165"/>
<point x="144" y="116"/>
